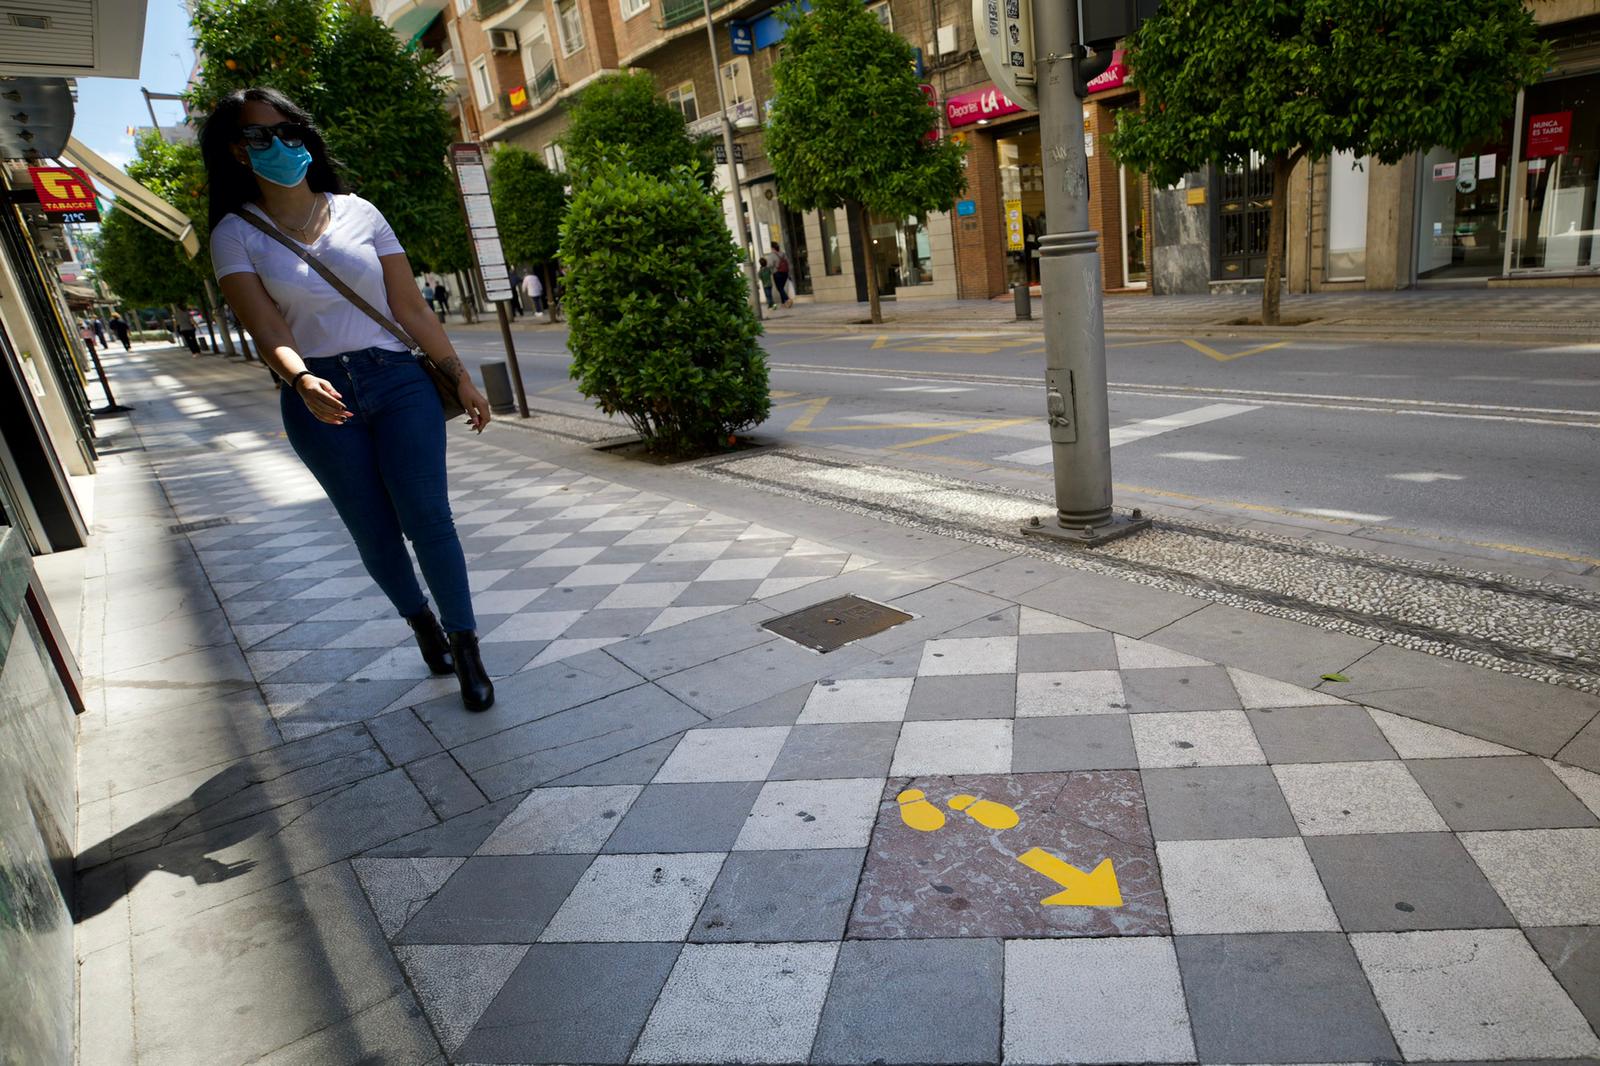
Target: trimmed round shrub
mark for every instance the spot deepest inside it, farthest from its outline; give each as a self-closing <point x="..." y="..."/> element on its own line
<point x="662" y="331"/>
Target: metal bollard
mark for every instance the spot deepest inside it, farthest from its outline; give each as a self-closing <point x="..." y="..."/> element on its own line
<point x="1021" y="299"/>
<point x="497" y="387"/>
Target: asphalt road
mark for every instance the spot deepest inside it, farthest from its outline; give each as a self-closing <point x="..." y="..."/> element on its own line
<point x="1485" y="443"/>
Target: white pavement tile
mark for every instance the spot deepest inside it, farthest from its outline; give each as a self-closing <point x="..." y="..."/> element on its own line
<point x="1195" y="738"/>
<point x="616" y="523"/>
<point x="1584" y="785"/>
<point x="601" y="574"/>
<point x="251" y="635"/>
<point x="969" y="655"/>
<point x="399" y="888"/>
<point x="644" y="594"/>
<point x="740" y="1003"/>
<point x="624" y="898"/>
<point x="960" y="747"/>
<point x="565" y="556"/>
<point x="693" y="551"/>
<point x="566" y="648"/>
<point x="676" y="616"/>
<point x="282" y="699"/>
<point x="378" y="633"/>
<point x="397" y="664"/>
<point x="1357" y="797"/>
<point x="1475" y="994"/>
<point x="1142" y="655"/>
<point x="457" y="982"/>
<point x="723" y="755"/>
<point x="812" y="814"/>
<point x="867" y="700"/>
<point x="557" y="821"/>
<point x="653" y="535"/>
<point x="1546" y="876"/>
<point x="1034" y="621"/>
<point x="777" y="586"/>
<point x="519" y="540"/>
<point x="1072" y="692"/>
<point x="1243" y="886"/>
<point x="1068" y="1000"/>
<point x="533" y="625"/>
<point x="263" y="664"/>
<point x="336" y="588"/>
<point x="480" y="580"/>
<point x="1256" y="691"/>
<point x="1412" y="739"/>
<point x="740" y="569"/>
<point x="504" y="601"/>
<point x="359" y="609"/>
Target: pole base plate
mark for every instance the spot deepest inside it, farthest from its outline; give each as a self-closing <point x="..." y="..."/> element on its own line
<point x="1091" y="537"/>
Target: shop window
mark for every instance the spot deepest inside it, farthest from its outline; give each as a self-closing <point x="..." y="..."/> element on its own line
<point x="828" y="223"/>
<point x="1347" y="217"/>
<point x="1135" y="217"/>
<point x="631" y="8"/>
<point x="482" y="88"/>
<point x="1461" y="221"/>
<point x="882" y="12"/>
<point x="1021" y="171"/>
<point x="901" y="252"/>
<point x="682" y="98"/>
<point x="555" y="158"/>
<point x="1556" y="223"/>
<point x="569" y="26"/>
<point x="736" y="81"/>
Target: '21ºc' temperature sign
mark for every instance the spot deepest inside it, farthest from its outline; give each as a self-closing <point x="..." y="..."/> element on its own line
<point x="1005" y="38"/>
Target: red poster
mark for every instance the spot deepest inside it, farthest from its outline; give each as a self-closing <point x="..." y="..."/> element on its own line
<point x="1549" y="134"/>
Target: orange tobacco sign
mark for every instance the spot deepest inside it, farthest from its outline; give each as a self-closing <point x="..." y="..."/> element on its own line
<point x="62" y="190"/>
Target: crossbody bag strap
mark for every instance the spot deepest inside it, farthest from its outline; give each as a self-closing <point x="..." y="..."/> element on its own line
<point x="331" y="278"/>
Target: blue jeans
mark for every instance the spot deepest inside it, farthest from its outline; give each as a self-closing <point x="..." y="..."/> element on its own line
<point x="384" y="471"/>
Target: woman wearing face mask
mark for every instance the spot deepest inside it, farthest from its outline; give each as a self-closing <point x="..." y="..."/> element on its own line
<point x="359" y="409"/>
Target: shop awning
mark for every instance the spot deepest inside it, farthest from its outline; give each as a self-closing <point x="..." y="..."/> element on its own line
<point x="134" y="198"/>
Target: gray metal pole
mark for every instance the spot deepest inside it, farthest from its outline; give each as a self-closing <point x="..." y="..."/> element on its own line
<point x="1069" y="275"/>
<point x="740" y="229"/>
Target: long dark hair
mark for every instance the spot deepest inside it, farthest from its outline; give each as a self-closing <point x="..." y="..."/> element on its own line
<point x="232" y="184"/>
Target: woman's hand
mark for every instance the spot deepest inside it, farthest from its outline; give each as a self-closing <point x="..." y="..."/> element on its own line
<point x="323" y="400"/>
<point x="476" y="404"/>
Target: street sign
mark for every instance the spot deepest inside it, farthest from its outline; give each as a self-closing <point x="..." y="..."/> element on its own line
<point x="65" y="191"/>
<point x="720" y="153"/>
<point x="472" y="180"/>
<point x="1004" y="29"/>
<point x="742" y="38"/>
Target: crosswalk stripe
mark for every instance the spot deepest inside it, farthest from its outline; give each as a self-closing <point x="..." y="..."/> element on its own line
<point x="1142" y="430"/>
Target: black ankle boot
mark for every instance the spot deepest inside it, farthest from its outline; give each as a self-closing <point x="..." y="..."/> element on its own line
<point x="477" y="691"/>
<point x="432" y="642"/>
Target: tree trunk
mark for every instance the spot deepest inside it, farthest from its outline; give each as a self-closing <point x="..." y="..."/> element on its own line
<point x="550" y="291"/>
<point x="466" y="298"/>
<point x="1278" y="225"/>
<point x="214" y="308"/>
<point x="864" y="225"/>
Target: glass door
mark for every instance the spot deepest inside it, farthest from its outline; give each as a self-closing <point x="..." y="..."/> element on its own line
<point x="1557" y="209"/>
<point x="1135" y="225"/>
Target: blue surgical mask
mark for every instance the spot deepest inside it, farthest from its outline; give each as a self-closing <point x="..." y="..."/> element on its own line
<point x="280" y="164"/>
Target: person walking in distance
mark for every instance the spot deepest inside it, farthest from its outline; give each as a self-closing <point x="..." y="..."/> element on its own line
<point x="360" y="409"/>
<point x="765" y="274"/>
<point x="780" y="275"/>
<point x="533" y="289"/>
<point x="99" y="326"/>
<point x="441" y="299"/>
<point x="86" y="334"/>
<point x="119" y="329"/>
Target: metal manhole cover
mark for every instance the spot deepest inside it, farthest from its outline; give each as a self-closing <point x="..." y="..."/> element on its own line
<point x="832" y="624"/>
<point x="197" y="526"/>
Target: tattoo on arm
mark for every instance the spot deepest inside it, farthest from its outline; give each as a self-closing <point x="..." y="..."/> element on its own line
<point x="451" y="365"/>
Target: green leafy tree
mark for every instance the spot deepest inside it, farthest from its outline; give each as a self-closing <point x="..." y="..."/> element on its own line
<point x="620" y="115"/>
<point x="378" y="101"/>
<point x="1295" y="79"/>
<point x="662" y="331"/>
<point x="850" y="127"/>
<point x="529" y="201"/>
<point x="143" y="267"/>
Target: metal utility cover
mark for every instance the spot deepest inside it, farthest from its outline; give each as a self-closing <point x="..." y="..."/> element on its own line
<point x="832" y="624"/>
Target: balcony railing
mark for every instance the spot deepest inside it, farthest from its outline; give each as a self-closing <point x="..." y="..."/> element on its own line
<point x="492" y="7"/>
<point x="546" y="84"/>
<point x="677" y="12"/>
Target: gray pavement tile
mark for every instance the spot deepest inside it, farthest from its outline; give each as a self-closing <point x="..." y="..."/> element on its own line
<point x="446" y="787"/>
<point x="869" y="1017"/>
<point x="998" y="624"/>
<point x="692" y="643"/>
<point x="574" y="821"/>
<point x="1528" y="715"/>
<point x="1264" y="885"/>
<point x="636" y="767"/>
<point x="1192" y="688"/>
<point x="496" y="899"/>
<point x="1319" y="734"/>
<point x="1412" y="739"/>
<point x="329" y="664"/>
<point x="1280" y="997"/>
<point x="303" y="636"/>
<point x="1479" y="993"/>
<point x="1110" y="603"/>
<point x="902" y="662"/>
<point x="505" y="657"/>
<point x="570" y="597"/>
<point x="457" y="982"/>
<point x="1394" y="882"/>
<point x="399" y="888"/>
<point x="149" y="748"/>
<point x="782" y="709"/>
<point x="703" y="593"/>
<point x="308" y="947"/>
<point x="542" y="751"/>
<point x="814" y="752"/>
<point x="1216" y="803"/>
<point x="936" y="610"/>
<point x="936" y="699"/>
<point x="1546" y="876"/>
<point x="685" y="570"/>
<point x="612" y="622"/>
<point x="735" y="680"/>
<point x="704" y="1012"/>
<point x="342" y="703"/>
<point x="1074" y="996"/>
<point x="685" y="817"/>
<point x="460" y="836"/>
<point x="1508" y="792"/>
<point x="780" y="896"/>
<point x="529" y="696"/>
<point x="1056" y="652"/>
<point x="395" y="1030"/>
<point x="1273" y="647"/>
<point x="1584" y="749"/>
<point x="548" y="1011"/>
<point x="1010" y="577"/>
<point x="1573" y="955"/>
<point x="402" y="736"/>
<point x="1073" y="742"/>
<point x="636" y="898"/>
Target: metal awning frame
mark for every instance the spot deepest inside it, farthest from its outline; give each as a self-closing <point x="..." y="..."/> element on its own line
<point x="134" y="198"/>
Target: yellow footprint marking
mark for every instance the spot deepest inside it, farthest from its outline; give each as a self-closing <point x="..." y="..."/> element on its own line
<point x="917" y="812"/>
<point x="987" y="813"/>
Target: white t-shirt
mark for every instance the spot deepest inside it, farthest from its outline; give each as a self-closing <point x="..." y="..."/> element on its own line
<point x="532" y="286"/>
<point x="323" y="322"/>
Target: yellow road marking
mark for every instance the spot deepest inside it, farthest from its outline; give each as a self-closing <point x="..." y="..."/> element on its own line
<point x="555" y="388"/>
<point x="778" y="394"/>
<point x="813" y="409"/>
<point x="1095" y="889"/>
<point x="940" y="438"/>
<point x="1222" y="357"/>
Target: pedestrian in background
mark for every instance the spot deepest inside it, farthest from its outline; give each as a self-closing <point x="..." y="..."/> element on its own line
<point x="99" y="330"/>
<point x="780" y="275"/>
<point x="86" y="334"/>
<point x="533" y="289"/>
<point x="516" y="293"/>
<point x="360" y="410"/>
<point x="441" y="300"/>
<point x="186" y="331"/>
<point x="765" y="273"/>
<point x="119" y="329"/>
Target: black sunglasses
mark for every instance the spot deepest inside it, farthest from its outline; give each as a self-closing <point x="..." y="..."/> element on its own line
<point x="292" y="134"/>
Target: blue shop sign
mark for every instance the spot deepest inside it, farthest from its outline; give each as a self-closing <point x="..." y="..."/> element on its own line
<point x="966" y="207"/>
<point x="742" y="38"/>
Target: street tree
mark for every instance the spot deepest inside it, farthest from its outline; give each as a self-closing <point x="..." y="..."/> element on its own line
<point x="378" y="100"/>
<point x="1302" y="79"/>
<point x="144" y="268"/>
<point x="621" y="115"/>
<point x="851" y="128"/>
<point x="529" y="201"/>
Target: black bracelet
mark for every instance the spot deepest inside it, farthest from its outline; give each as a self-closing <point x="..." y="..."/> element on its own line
<point x="296" y="379"/>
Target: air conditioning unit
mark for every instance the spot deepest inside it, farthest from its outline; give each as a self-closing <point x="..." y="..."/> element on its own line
<point x="949" y="39"/>
<point x="502" y="40"/>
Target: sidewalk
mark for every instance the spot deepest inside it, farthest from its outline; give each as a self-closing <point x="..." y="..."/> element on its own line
<point x="676" y="838"/>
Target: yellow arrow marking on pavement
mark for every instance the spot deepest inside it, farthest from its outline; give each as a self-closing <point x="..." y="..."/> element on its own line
<point x="1223" y="357"/>
<point x="1095" y="889"/>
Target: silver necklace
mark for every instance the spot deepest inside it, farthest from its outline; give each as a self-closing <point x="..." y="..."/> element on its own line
<point x="309" y="215"/>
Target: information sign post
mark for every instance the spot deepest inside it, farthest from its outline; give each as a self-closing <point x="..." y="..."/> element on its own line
<point x="472" y="182"/>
